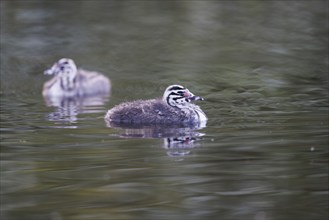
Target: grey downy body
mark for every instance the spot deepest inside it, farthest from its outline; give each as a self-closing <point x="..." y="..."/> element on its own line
<point x="68" y="81"/>
<point x="175" y="108"/>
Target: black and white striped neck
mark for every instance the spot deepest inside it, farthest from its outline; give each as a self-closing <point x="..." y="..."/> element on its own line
<point x="178" y="96"/>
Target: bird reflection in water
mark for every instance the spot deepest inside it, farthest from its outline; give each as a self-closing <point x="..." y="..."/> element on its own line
<point x="73" y="90"/>
<point x="177" y="141"/>
<point x="67" y="109"/>
<point x="181" y="146"/>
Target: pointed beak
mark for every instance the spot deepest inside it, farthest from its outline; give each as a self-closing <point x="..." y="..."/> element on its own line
<point x="196" y="98"/>
<point x="52" y="70"/>
<point x="48" y="72"/>
<point x="191" y="97"/>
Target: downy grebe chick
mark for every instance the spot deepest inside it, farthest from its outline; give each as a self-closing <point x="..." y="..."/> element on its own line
<point x="175" y="108"/>
<point x="69" y="81"/>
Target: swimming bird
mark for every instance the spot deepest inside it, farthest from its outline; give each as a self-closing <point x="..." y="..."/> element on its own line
<point x="175" y="108"/>
<point x="69" y="81"/>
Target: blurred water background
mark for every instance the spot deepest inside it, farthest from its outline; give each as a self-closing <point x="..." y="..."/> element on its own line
<point x="262" y="67"/>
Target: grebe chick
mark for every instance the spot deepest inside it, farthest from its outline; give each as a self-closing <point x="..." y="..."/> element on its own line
<point x="69" y="81"/>
<point x="175" y="108"/>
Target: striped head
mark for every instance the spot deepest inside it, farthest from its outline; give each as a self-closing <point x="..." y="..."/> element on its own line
<point x="67" y="70"/>
<point x="179" y="96"/>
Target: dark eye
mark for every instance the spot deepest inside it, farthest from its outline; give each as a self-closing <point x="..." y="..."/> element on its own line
<point x="61" y="68"/>
<point x="66" y="62"/>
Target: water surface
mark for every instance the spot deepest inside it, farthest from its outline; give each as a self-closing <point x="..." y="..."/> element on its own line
<point x="262" y="67"/>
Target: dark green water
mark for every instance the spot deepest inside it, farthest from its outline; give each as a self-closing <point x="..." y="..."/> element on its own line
<point x="262" y="67"/>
